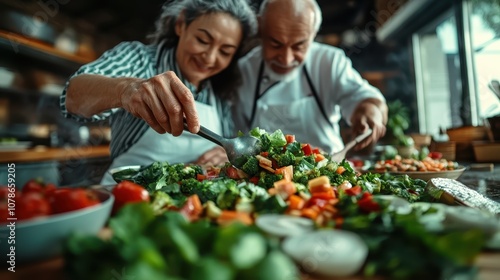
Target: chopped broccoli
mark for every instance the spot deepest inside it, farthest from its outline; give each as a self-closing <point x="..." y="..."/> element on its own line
<point x="303" y="177"/>
<point x="190" y="171"/>
<point x="265" y="142"/>
<point x="284" y="159"/>
<point x="190" y="186"/>
<point x="227" y="199"/>
<point x="311" y="159"/>
<point x="267" y="180"/>
<point x="295" y="148"/>
<point x="251" y="167"/>
<point x="273" y="204"/>
<point x="304" y="165"/>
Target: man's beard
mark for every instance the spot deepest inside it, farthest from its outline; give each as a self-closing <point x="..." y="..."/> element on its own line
<point x="283" y="77"/>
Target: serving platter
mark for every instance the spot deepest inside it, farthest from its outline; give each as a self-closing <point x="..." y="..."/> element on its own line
<point x="424" y="175"/>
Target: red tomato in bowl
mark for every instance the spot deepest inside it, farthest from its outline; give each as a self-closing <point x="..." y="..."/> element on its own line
<point x="38" y="186"/>
<point x="70" y="199"/>
<point x="128" y="192"/>
<point x="31" y="205"/>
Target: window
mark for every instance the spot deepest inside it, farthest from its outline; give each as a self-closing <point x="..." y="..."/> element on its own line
<point x="485" y="52"/>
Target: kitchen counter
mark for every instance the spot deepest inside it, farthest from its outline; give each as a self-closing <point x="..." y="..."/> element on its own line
<point x="486" y="182"/>
<point x="54" y="154"/>
<point x="488" y="264"/>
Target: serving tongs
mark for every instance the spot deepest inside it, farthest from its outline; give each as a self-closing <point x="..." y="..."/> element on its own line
<point x="339" y="156"/>
<point x="236" y="148"/>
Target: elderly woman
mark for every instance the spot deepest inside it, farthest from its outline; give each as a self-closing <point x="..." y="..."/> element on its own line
<point x="146" y="90"/>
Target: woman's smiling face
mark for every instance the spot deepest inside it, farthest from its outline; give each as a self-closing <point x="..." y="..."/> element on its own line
<point x="207" y="45"/>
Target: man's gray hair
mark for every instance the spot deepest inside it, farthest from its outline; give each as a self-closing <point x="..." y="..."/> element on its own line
<point x="298" y="6"/>
<point x="192" y="9"/>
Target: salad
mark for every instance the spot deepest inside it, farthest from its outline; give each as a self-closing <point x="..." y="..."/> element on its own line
<point x="286" y="178"/>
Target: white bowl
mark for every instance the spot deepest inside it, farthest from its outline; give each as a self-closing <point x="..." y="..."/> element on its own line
<point x="42" y="238"/>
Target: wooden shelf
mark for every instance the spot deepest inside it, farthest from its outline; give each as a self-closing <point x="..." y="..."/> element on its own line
<point x="56" y="154"/>
<point x="43" y="52"/>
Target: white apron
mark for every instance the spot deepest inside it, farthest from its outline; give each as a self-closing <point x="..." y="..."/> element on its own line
<point x="302" y="117"/>
<point x="185" y="148"/>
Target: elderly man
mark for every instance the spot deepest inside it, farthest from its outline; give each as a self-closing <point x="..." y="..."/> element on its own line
<point x="304" y="87"/>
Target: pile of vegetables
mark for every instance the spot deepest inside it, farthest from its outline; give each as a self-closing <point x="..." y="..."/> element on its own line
<point x="287" y="177"/>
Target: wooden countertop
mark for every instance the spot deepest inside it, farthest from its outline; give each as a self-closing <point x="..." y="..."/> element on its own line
<point x="55" y="154"/>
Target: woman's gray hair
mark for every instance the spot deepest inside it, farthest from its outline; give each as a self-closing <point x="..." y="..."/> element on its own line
<point x="298" y="5"/>
<point x="227" y="80"/>
<point x="192" y="9"/>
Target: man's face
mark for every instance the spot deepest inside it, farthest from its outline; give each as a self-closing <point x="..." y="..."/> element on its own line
<point x="286" y="37"/>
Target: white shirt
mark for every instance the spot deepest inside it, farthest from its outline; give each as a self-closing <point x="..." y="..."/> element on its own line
<point x="293" y="106"/>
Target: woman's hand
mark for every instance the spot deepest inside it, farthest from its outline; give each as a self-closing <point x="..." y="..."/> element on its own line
<point x="163" y="101"/>
<point x="216" y="156"/>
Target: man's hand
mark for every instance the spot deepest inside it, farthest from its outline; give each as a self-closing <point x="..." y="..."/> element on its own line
<point x="370" y="113"/>
<point x="163" y="101"/>
<point x="216" y="156"/>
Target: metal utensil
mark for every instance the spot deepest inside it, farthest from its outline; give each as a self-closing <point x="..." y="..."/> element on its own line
<point x="339" y="156"/>
<point x="236" y="148"/>
<point x="494" y="85"/>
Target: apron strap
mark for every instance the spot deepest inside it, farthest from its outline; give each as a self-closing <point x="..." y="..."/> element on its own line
<point x="309" y="82"/>
<point x="316" y="96"/>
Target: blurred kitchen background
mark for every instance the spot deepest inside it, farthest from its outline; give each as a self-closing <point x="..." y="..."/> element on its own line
<point x="438" y="60"/>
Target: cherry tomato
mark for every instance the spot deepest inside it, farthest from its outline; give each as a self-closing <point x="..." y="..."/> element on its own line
<point x="192" y="209"/>
<point x="4" y="192"/>
<point x="31" y="205"/>
<point x="232" y="173"/>
<point x="38" y="186"/>
<point x="70" y="199"/>
<point x="4" y="212"/>
<point x="33" y="185"/>
<point x="128" y="192"/>
<point x="435" y="155"/>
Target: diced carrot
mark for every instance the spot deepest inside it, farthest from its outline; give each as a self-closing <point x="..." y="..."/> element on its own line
<point x="295" y="202"/>
<point x="318" y="157"/>
<point x="290" y="138"/>
<point x="325" y="188"/>
<point x="287" y="172"/>
<point x="284" y="188"/>
<point x="264" y="161"/>
<point x="228" y="216"/>
<point x="268" y="168"/>
<point x="326" y="194"/>
<point x="192" y="208"/>
<point x="330" y="209"/>
<point x="340" y="169"/>
<point x="310" y="213"/>
<point x="200" y="177"/>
